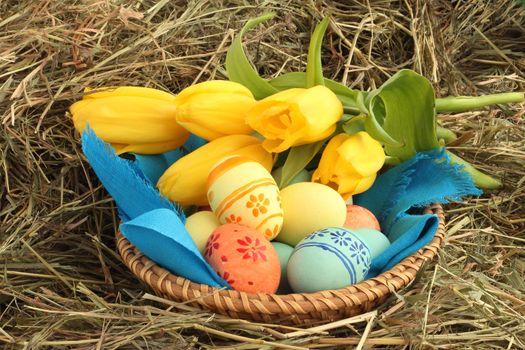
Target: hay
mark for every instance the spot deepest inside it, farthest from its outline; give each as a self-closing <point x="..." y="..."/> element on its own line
<point x="63" y="286"/>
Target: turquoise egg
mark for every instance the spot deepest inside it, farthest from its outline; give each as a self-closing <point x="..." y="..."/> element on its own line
<point x="283" y="251"/>
<point x="376" y="241"/>
<point x="330" y="258"/>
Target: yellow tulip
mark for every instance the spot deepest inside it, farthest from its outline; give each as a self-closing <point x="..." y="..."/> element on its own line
<point x="350" y="163"/>
<point x="214" y="109"/>
<point x="132" y="119"/>
<point x="185" y="181"/>
<point x="295" y="117"/>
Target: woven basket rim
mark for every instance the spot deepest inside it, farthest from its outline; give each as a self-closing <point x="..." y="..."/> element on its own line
<point x="235" y="302"/>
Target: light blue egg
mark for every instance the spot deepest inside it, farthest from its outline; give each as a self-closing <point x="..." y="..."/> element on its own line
<point x="376" y="241"/>
<point x="330" y="258"/>
<point x="283" y="251"/>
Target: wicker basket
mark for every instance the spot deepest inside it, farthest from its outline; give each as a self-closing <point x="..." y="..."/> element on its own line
<point x="291" y="309"/>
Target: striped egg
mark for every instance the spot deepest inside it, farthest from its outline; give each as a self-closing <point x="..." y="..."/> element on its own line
<point x="330" y="258"/>
<point x="241" y="191"/>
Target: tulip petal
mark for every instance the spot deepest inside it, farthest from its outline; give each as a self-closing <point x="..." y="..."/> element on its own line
<point x="321" y="108"/>
<point x="363" y="152"/>
<point x="128" y="119"/>
<point x="347" y="184"/>
<point x="295" y="117"/>
<point x="137" y="91"/>
<point x="329" y="158"/>
<point x="365" y="183"/>
<point x="279" y="122"/>
<point x="185" y="181"/>
<point x="211" y="116"/>
<point x="346" y="166"/>
<point x="212" y="87"/>
<point x="150" y="148"/>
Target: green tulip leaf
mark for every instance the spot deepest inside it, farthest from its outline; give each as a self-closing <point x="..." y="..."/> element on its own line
<point x="289" y="81"/>
<point x="446" y="134"/>
<point x="347" y="96"/>
<point x="404" y="108"/>
<point x="392" y="161"/>
<point x="480" y="179"/>
<point x="314" y="66"/>
<point x="298" y="158"/>
<point x="373" y="126"/>
<point x="354" y="124"/>
<point x="239" y="67"/>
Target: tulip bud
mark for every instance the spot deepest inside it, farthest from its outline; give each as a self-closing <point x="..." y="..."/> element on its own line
<point x="132" y="119"/>
<point x="185" y="181"/>
<point x="295" y="117"/>
<point x="214" y="109"/>
<point x="350" y="163"/>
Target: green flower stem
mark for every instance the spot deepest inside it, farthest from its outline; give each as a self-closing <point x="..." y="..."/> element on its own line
<point x="466" y="103"/>
<point x="239" y="67"/>
<point x="392" y="161"/>
<point x="480" y="179"/>
<point x="445" y="134"/>
<point x="314" y="67"/>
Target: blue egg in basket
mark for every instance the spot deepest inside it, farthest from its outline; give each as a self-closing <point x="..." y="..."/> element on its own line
<point x="330" y="258"/>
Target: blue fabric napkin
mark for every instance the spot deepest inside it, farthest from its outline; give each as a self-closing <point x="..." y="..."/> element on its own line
<point x="154" y="165"/>
<point x="160" y="235"/>
<point x="150" y="221"/>
<point x="123" y="180"/>
<point x="429" y="177"/>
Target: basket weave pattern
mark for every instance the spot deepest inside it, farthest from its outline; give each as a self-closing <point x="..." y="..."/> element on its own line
<point x="290" y="309"/>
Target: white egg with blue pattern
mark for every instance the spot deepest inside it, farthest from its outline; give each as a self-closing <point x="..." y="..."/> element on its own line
<point x="329" y="258"/>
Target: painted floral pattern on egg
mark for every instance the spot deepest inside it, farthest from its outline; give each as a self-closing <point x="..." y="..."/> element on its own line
<point x="251" y="249"/>
<point x="244" y="258"/>
<point x="359" y="252"/>
<point x="242" y="191"/>
<point x="212" y="244"/>
<point x="340" y="238"/>
<point x="345" y="261"/>
<point x="233" y="219"/>
<point x="258" y="204"/>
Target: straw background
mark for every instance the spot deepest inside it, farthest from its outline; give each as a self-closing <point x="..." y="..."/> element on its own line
<point x="63" y="284"/>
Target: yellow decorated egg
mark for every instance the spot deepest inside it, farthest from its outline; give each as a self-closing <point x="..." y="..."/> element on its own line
<point x="308" y="207"/>
<point x="242" y="191"/>
<point x="200" y="226"/>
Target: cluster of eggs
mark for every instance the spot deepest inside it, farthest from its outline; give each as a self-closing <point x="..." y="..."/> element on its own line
<point x="302" y="238"/>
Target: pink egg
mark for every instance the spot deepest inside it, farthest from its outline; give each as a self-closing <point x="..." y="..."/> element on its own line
<point x="359" y="217"/>
<point x="244" y="258"/>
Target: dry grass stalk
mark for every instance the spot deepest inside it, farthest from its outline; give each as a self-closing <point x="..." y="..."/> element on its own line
<point x="63" y="286"/>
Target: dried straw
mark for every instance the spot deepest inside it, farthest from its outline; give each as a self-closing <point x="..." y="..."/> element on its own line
<point x="63" y="285"/>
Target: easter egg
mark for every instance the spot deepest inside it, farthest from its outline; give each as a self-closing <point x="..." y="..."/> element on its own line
<point x="308" y="207"/>
<point x="359" y="217"/>
<point x="200" y="226"/>
<point x="376" y="241"/>
<point x="330" y="258"/>
<point x="244" y="258"/>
<point x="242" y="191"/>
<point x="283" y="251"/>
<point x="302" y="176"/>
